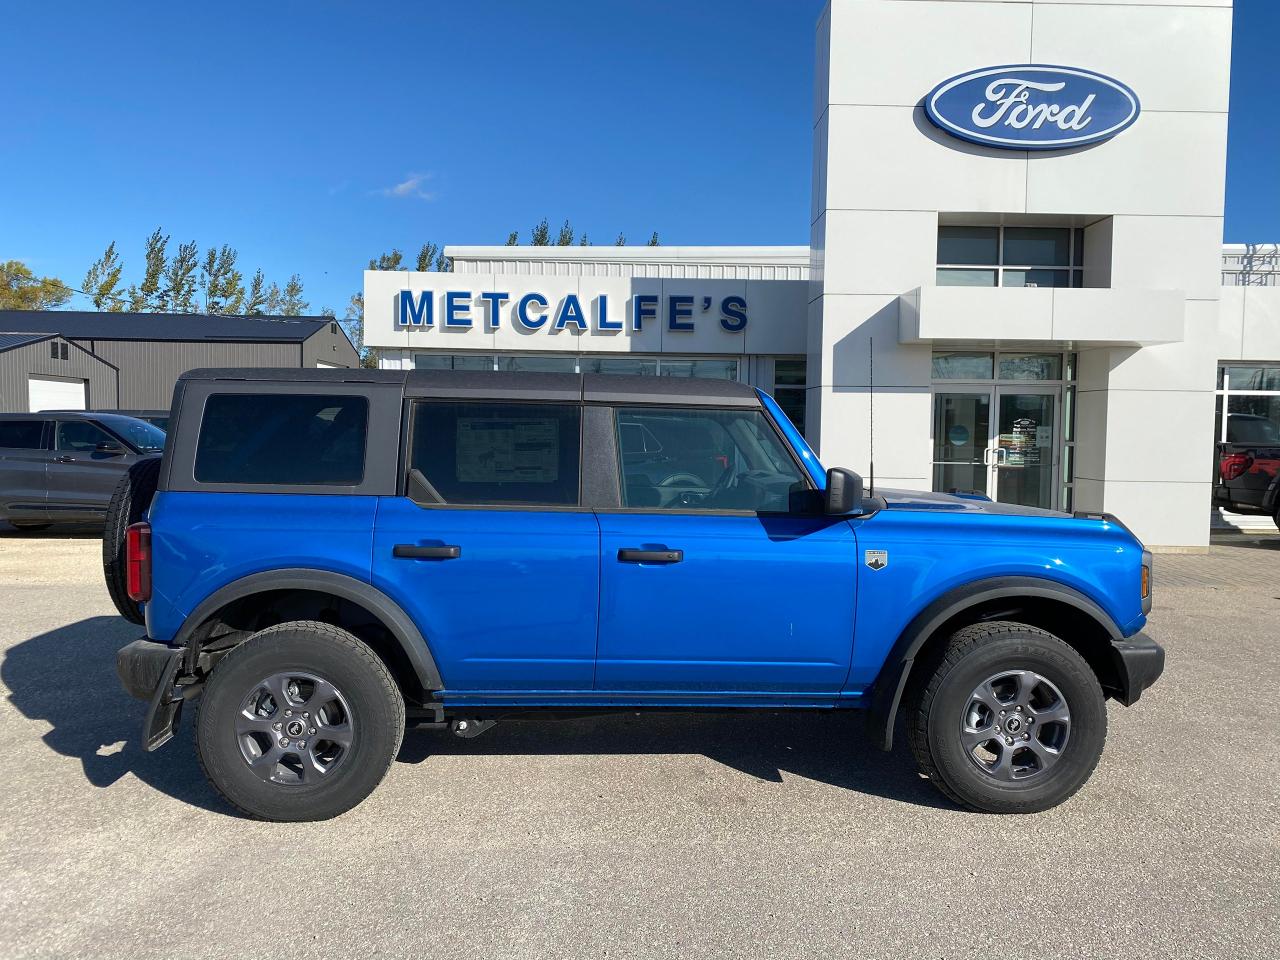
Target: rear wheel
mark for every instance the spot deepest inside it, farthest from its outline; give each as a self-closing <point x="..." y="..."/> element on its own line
<point x="128" y="505"/>
<point x="299" y="722"/>
<point x="1010" y="720"/>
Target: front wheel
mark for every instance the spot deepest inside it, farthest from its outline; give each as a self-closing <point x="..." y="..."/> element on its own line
<point x="1011" y="719"/>
<point x="299" y="722"/>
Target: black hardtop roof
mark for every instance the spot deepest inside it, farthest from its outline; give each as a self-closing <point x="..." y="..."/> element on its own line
<point x="499" y="385"/>
<point x="68" y="415"/>
<point x="92" y="325"/>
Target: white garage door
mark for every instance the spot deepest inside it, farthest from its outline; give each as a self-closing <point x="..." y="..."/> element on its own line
<point x="55" y="393"/>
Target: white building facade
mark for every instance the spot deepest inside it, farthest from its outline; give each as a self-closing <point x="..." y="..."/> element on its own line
<point x="1015" y="284"/>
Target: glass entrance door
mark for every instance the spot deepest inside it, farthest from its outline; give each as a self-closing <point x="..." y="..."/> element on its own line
<point x="1010" y="456"/>
<point x="1026" y="441"/>
<point x="962" y="441"/>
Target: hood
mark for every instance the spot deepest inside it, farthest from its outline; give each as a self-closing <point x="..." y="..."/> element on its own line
<point x="951" y="503"/>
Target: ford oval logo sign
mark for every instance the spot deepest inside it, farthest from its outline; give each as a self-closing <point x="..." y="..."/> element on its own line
<point x="1032" y="107"/>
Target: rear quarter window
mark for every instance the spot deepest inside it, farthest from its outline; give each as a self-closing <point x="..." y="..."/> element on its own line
<point x="22" y="434"/>
<point x="284" y="439"/>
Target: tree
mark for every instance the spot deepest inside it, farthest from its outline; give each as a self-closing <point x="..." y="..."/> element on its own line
<point x="541" y="235"/>
<point x="566" y="235"/>
<point x="221" y="282"/>
<point x="387" y="261"/>
<point x="274" y="299"/>
<point x="180" y="280"/>
<point x="353" y="324"/>
<point x="427" y="256"/>
<point x="20" y="289"/>
<point x="653" y="241"/>
<point x="292" y="304"/>
<point x="150" y="295"/>
<point x="584" y="242"/>
<point x="513" y="238"/>
<point x="621" y="241"/>
<point x="102" y="282"/>
<point x="256" y="299"/>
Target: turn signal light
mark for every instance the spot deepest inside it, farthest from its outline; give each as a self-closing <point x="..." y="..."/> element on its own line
<point x="1146" y="581"/>
<point x="1235" y="465"/>
<point x="137" y="555"/>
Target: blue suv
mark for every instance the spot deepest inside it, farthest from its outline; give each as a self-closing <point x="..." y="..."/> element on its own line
<point x="323" y="557"/>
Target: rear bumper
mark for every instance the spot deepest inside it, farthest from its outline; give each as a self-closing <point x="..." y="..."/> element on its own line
<point x="149" y="671"/>
<point x="1139" y="661"/>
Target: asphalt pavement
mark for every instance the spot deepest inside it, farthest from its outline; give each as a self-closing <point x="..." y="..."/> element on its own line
<point x="759" y="835"/>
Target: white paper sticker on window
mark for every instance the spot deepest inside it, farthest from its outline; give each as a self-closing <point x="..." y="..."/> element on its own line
<point x="508" y="450"/>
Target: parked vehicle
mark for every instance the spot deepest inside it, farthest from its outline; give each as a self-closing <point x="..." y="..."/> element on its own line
<point x="1249" y="467"/>
<point x="65" y="466"/>
<point x="327" y="556"/>
<point x="157" y="418"/>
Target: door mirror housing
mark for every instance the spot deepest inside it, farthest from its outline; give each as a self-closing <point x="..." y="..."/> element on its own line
<point x="844" y="491"/>
<point x="108" y="446"/>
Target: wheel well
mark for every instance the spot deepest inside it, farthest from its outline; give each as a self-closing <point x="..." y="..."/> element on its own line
<point x="1068" y="623"/>
<point x="241" y="618"/>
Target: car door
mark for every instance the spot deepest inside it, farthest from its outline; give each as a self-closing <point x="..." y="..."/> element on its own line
<point x="489" y="550"/>
<point x="24" y="453"/>
<point x="717" y="578"/>
<point x="81" y="478"/>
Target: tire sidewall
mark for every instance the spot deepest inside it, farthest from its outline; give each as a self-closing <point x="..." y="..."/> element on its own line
<point x="376" y="736"/>
<point x="1066" y="670"/>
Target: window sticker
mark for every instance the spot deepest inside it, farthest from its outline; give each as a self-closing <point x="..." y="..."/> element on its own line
<point x="506" y="449"/>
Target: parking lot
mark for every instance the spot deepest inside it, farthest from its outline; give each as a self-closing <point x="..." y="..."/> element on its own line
<point x="764" y="834"/>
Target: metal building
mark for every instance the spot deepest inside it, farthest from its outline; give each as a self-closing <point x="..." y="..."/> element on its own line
<point x="130" y="361"/>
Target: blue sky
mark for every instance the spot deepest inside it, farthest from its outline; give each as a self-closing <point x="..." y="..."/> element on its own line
<point x="311" y="137"/>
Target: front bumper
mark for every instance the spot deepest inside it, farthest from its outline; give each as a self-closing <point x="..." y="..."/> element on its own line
<point x="1139" y="661"/>
<point x="149" y="671"/>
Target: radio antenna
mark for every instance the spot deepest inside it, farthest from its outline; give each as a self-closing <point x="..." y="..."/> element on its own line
<point x="871" y="391"/>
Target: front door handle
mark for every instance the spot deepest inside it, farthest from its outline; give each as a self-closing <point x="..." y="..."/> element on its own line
<point x="627" y="555"/>
<point x="64" y="459"/>
<point x="410" y="551"/>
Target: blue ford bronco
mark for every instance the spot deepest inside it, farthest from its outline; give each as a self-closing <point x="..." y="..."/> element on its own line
<point x="323" y="557"/>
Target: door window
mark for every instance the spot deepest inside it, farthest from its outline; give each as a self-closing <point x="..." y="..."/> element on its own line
<point x="961" y="435"/>
<point x="80" y="436"/>
<point x="22" y="434"/>
<point x="680" y="459"/>
<point x="521" y="454"/>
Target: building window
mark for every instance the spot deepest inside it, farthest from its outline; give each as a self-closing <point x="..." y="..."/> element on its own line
<point x="1246" y="435"/>
<point x="790" y="381"/>
<point x="979" y="256"/>
<point x="696" y="367"/>
<point x="59" y="351"/>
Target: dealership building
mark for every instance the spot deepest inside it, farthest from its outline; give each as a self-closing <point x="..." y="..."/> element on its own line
<point x="1015" y="282"/>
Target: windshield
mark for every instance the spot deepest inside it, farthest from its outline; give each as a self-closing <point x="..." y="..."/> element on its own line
<point x="139" y="433"/>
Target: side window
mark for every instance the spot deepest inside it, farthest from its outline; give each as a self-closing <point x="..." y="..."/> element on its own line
<point x="683" y="459"/>
<point x="80" y="436"/>
<point x="22" y="434"/>
<point x="282" y="438"/>
<point x="522" y="454"/>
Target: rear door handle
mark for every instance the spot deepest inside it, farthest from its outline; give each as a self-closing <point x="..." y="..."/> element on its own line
<point x="627" y="555"/>
<point x="410" y="551"/>
<point x="64" y="459"/>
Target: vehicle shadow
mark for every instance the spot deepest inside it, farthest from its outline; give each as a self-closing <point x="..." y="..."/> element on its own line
<point x="66" y="677"/>
<point x="59" y="531"/>
<point x="826" y="746"/>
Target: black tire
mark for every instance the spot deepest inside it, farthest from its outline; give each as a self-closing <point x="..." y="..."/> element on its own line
<point x="940" y="705"/>
<point x="128" y="505"/>
<point x="30" y="524"/>
<point x="370" y="700"/>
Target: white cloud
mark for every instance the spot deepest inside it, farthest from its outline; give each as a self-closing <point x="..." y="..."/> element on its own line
<point x="411" y="186"/>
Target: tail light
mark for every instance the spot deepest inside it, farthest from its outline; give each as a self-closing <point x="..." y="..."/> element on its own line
<point x="1235" y="465"/>
<point x="137" y="554"/>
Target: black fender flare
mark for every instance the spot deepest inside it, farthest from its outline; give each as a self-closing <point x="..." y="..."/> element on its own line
<point x="886" y="692"/>
<point x="397" y="622"/>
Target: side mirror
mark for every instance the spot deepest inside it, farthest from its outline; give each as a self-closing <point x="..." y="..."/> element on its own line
<point x="844" y="491"/>
<point x="107" y="446"/>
